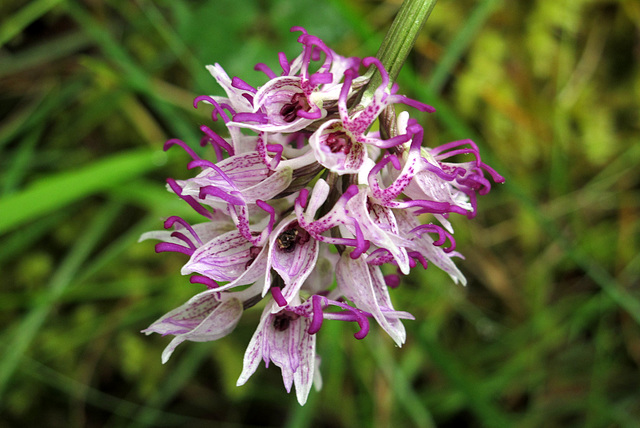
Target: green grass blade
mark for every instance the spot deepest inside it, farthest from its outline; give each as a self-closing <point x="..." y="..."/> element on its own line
<point x="59" y="190"/>
<point x="14" y="244"/>
<point x="460" y="43"/>
<point x="133" y="75"/>
<point x="179" y="375"/>
<point x="405" y="396"/>
<point x="36" y="112"/>
<point x="28" y="328"/>
<point x="99" y="399"/>
<point x="478" y="400"/>
<point x="15" y="24"/>
<point x="44" y="53"/>
<point x="19" y="164"/>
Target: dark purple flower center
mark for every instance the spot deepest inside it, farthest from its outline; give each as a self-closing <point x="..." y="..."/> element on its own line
<point x="339" y="142"/>
<point x="253" y="253"/>
<point x="283" y="320"/>
<point x="289" y="111"/>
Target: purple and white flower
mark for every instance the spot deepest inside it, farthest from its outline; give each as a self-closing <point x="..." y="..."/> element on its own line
<point x="340" y="145"/>
<point x="283" y="338"/>
<point x="304" y="204"/>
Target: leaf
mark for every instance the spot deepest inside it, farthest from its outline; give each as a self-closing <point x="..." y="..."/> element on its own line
<point x="59" y="190"/>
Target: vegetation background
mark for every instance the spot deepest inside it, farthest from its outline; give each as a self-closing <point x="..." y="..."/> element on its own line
<point x="547" y="332"/>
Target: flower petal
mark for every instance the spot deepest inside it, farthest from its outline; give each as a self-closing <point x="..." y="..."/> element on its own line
<point x="364" y="286"/>
<point x="295" y="266"/>
<point x="203" y="318"/>
<point x="223" y="258"/>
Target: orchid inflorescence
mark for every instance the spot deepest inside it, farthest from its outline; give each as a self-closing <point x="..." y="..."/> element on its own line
<point x="304" y="205"/>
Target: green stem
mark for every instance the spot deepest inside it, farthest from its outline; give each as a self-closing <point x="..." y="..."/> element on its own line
<point x="399" y="41"/>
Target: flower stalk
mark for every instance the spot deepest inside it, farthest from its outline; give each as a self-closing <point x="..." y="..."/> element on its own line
<point x="399" y="41"/>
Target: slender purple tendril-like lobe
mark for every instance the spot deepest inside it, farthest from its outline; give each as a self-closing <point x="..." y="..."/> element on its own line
<point x="360" y="318"/>
<point x="181" y="236"/>
<point x="265" y="69"/>
<point x="258" y="117"/>
<point x="217" y="141"/>
<point x="278" y="297"/>
<point x="420" y="257"/>
<point x="298" y="28"/>
<point x="272" y="214"/>
<point x="175" y="142"/>
<point x="238" y="83"/>
<point x="277" y="149"/>
<point x="393" y="141"/>
<point x="302" y="198"/>
<point x="163" y="247"/>
<point x="199" y="279"/>
<point x="317" y="79"/>
<point x="411" y="103"/>
<point x="349" y="75"/>
<point x="188" y="199"/>
<point x="218" y="109"/>
<point x="317" y="316"/>
<point x="351" y="314"/>
<point x="216" y="192"/>
<point x="316" y="113"/>
<point x="284" y="63"/>
<point x="362" y="245"/>
<point x="443" y="235"/>
<point x="175" y="219"/>
<point x="432" y="207"/>
<point x="205" y="163"/>
<point x="383" y="73"/>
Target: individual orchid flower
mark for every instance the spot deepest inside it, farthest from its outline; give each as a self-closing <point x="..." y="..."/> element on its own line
<point x="286" y="336"/>
<point x="435" y="186"/>
<point x="456" y="183"/>
<point x="341" y="144"/>
<point x="292" y="255"/>
<point x="294" y="100"/>
<point x="282" y="337"/>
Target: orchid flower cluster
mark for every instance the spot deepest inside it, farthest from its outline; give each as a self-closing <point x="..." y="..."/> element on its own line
<point x="304" y="205"/>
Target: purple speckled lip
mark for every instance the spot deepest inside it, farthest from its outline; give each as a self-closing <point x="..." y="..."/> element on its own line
<point x="302" y="206"/>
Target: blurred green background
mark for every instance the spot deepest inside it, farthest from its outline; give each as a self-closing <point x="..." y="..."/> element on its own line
<point x="547" y="332"/>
